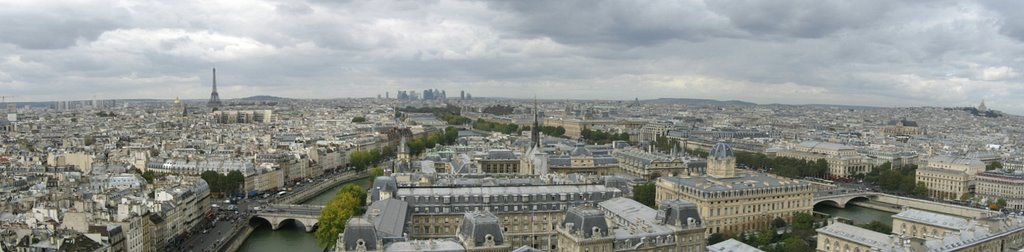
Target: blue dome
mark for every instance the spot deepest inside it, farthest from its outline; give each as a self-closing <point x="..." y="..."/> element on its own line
<point x="721" y="150"/>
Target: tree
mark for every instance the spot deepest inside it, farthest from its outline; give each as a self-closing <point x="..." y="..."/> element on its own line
<point x="877" y="226"/>
<point x="334" y="217"/>
<point x="778" y="222"/>
<point x="794" y="243"/>
<point x="212" y="179"/>
<point x="994" y="165"/>
<point x="376" y="172"/>
<point x="149" y="176"/>
<point x="235" y="181"/>
<point x="921" y="189"/>
<point x="450" y="135"/>
<point x="820" y="168"/>
<point x="644" y="193"/>
<point x="358" y="119"/>
<point x="664" y="144"/>
<point x="716" y="238"/>
<point x="803" y="221"/>
<point x="965" y="196"/>
<point x="764" y="237"/>
<point x="907" y="185"/>
<point x="1001" y="203"/>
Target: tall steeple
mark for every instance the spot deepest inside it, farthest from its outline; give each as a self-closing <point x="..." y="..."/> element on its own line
<point x="214" y="102"/>
<point x="535" y="130"/>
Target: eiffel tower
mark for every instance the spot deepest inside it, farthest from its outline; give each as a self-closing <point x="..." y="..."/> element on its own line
<point x="214" y="102"/>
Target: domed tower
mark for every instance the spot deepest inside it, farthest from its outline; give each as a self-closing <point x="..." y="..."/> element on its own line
<point x="721" y="161"/>
<point x="179" y="108"/>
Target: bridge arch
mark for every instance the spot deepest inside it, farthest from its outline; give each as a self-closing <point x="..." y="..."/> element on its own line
<point x="832" y="203"/>
<point x="841" y="201"/>
<point x="289" y="221"/>
<point x="277" y="222"/>
<point x="256" y="221"/>
<point x="858" y="198"/>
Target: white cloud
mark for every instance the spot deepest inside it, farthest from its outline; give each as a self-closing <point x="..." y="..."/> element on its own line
<point x="998" y="73"/>
<point x="201" y="45"/>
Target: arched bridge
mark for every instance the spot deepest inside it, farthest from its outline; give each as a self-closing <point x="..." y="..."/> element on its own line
<point x="838" y="197"/>
<point x="306" y="215"/>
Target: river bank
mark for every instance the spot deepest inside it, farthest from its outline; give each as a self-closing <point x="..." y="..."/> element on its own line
<point x="292" y="237"/>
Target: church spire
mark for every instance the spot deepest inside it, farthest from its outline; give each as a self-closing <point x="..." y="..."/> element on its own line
<point x="535" y="131"/>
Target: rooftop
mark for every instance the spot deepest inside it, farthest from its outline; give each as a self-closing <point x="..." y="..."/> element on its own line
<point x="742" y="181"/>
<point x="825" y="146"/>
<point x="436" y="245"/>
<point x="956" y="160"/>
<point x="502" y="190"/>
<point x="732" y="245"/>
<point x="628" y="213"/>
<point x="858" y="235"/>
<point x="934" y="219"/>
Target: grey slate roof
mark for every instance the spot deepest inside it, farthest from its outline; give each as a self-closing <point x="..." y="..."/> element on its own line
<point x="477" y="227"/>
<point x="580" y="150"/>
<point x="501" y="154"/>
<point x="741" y="182"/>
<point x="389" y="217"/>
<point x="433" y="245"/>
<point x="678" y="212"/>
<point x="382" y="184"/>
<point x="356" y="229"/>
<point x="934" y="219"/>
<point x="585" y="220"/>
<point x="526" y="248"/>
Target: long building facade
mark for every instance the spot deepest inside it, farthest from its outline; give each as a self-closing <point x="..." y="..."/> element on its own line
<point x="529" y="213"/>
<point x="731" y="201"/>
<point x="949" y="177"/>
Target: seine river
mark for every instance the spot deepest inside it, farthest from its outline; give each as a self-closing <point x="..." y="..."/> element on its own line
<point x="291" y="238"/>
<point x="859" y="215"/>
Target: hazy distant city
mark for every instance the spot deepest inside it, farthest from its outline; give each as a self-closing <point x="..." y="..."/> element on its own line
<point x="511" y="126"/>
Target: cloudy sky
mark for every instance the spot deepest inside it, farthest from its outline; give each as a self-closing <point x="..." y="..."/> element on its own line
<point x="865" y="52"/>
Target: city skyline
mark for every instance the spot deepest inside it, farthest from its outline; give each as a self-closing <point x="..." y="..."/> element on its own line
<point x="789" y="52"/>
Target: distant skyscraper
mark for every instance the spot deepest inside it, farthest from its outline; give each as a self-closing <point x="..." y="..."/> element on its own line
<point x="214" y="102"/>
<point x="462" y="95"/>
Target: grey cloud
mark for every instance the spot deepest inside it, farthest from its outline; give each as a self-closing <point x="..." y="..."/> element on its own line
<point x="854" y="52"/>
<point x="294" y="8"/>
<point x="1010" y="21"/>
<point x="800" y="18"/>
<point x="626" y="22"/>
<point x="54" y="32"/>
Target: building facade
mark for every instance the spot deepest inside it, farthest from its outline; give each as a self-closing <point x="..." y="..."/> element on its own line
<point x="650" y="165"/>
<point x="528" y="213"/>
<point x="843" y="161"/>
<point x="949" y="177"/>
<point x="732" y="202"/>
<point x="995" y="185"/>
<point x="500" y="161"/>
